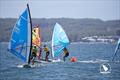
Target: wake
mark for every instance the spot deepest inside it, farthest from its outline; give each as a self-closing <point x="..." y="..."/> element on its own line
<point x="98" y="61"/>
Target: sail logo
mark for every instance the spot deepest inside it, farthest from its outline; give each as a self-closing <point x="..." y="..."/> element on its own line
<point x="105" y="68"/>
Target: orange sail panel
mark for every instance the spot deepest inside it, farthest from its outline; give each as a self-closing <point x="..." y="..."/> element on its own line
<point x="36" y="40"/>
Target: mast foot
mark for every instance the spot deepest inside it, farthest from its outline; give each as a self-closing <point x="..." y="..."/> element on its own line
<point x="26" y="66"/>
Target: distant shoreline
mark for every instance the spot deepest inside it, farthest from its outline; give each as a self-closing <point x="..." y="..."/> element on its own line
<point x="64" y="18"/>
<point x="83" y="29"/>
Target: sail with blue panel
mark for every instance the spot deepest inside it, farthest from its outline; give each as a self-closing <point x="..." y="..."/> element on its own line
<point x="59" y="40"/>
<point x="20" y="42"/>
<point x="116" y="49"/>
<point x="118" y="46"/>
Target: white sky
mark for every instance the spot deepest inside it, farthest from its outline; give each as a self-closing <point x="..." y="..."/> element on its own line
<point x="103" y="9"/>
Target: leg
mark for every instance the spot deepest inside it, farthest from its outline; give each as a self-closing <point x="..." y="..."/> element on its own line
<point x="64" y="58"/>
<point x="66" y="55"/>
<point x="46" y="57"/>
<point x="33" y="59"/>
<point x="47" y="54"/>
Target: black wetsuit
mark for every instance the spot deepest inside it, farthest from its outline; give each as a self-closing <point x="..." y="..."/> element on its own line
<point x="66" y="53"/>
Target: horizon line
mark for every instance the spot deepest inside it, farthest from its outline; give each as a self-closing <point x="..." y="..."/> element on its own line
<point x="59" y="18"/>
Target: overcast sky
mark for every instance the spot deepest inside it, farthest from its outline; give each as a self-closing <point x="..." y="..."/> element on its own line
<point x="103" y="9"/>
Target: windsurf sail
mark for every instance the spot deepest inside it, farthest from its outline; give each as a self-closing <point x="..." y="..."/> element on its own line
<point x="59" y="40"/>
<point x="116" y="49"/>
<point x="36" y="40"/>
<point x="21" y="39"/>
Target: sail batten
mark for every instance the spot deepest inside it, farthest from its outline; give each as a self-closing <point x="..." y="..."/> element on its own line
<point x="23" y="18"/>
<point x="59" y="40"/>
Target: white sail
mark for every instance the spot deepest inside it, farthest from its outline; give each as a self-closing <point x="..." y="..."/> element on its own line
<point x="59" y="40"/>
<point x="105" y="67"/>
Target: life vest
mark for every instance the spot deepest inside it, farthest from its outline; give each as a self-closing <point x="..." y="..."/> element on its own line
<point x="34" y="50"/>
<point x="65" y="51"/>
<point x="46" y="49"/>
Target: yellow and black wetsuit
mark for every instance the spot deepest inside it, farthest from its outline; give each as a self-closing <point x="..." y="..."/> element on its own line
<point x="66" y="53"/>
<point x="34" y="53"/>
<point x="46" y="49"/>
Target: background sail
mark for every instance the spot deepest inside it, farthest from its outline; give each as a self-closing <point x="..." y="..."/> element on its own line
<point x="118" y="45"/>
<point x="36" y="40"/>
<point x="116" y="49"/>
<point x="59" y="40"/>
<point x="20" y="40"/>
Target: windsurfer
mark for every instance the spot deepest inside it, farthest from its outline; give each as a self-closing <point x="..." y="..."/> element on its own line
<point x="66" y="53"/>
<point x="46" y="50"/>
<point x="34" y="53"/>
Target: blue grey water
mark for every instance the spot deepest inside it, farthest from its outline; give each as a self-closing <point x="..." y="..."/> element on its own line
<point x="63" y="70"/>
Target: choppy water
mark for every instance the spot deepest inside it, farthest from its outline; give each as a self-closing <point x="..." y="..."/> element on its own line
<point x="87" y="67"/>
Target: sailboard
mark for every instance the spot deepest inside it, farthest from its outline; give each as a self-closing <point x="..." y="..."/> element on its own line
<point x="21" y="39"/>
<point x="116" y="49"/>
<point x="59" y="40"/>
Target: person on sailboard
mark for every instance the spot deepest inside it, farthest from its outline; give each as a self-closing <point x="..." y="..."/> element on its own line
<point x="34" y="53"/>
<point x="66" y="53"/>
<point x="46" y="50"/>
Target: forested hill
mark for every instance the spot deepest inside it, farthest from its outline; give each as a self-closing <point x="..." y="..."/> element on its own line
<point x="75" y="28"/>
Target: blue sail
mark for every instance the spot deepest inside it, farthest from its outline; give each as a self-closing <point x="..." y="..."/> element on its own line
<point x="118" y="46"/>
<point x="20" y="40"/>
<point x="59" y="40"/>
<point x="116" y="49"/>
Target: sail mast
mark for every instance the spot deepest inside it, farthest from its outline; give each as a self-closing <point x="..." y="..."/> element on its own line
<point x="31" y="33"/>
<point x="114" y="55"/>
<point x="52" y="45"/>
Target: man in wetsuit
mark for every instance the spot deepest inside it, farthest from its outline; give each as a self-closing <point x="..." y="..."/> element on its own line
<point x="34" y="53"/>
<point x="66" y="53"/>
<point x="46" y="49"/>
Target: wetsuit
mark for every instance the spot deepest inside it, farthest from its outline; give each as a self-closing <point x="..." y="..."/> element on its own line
<point x="47" y="53"/>
<point x="34" y="54"/>
<point x="66" y="53"/>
